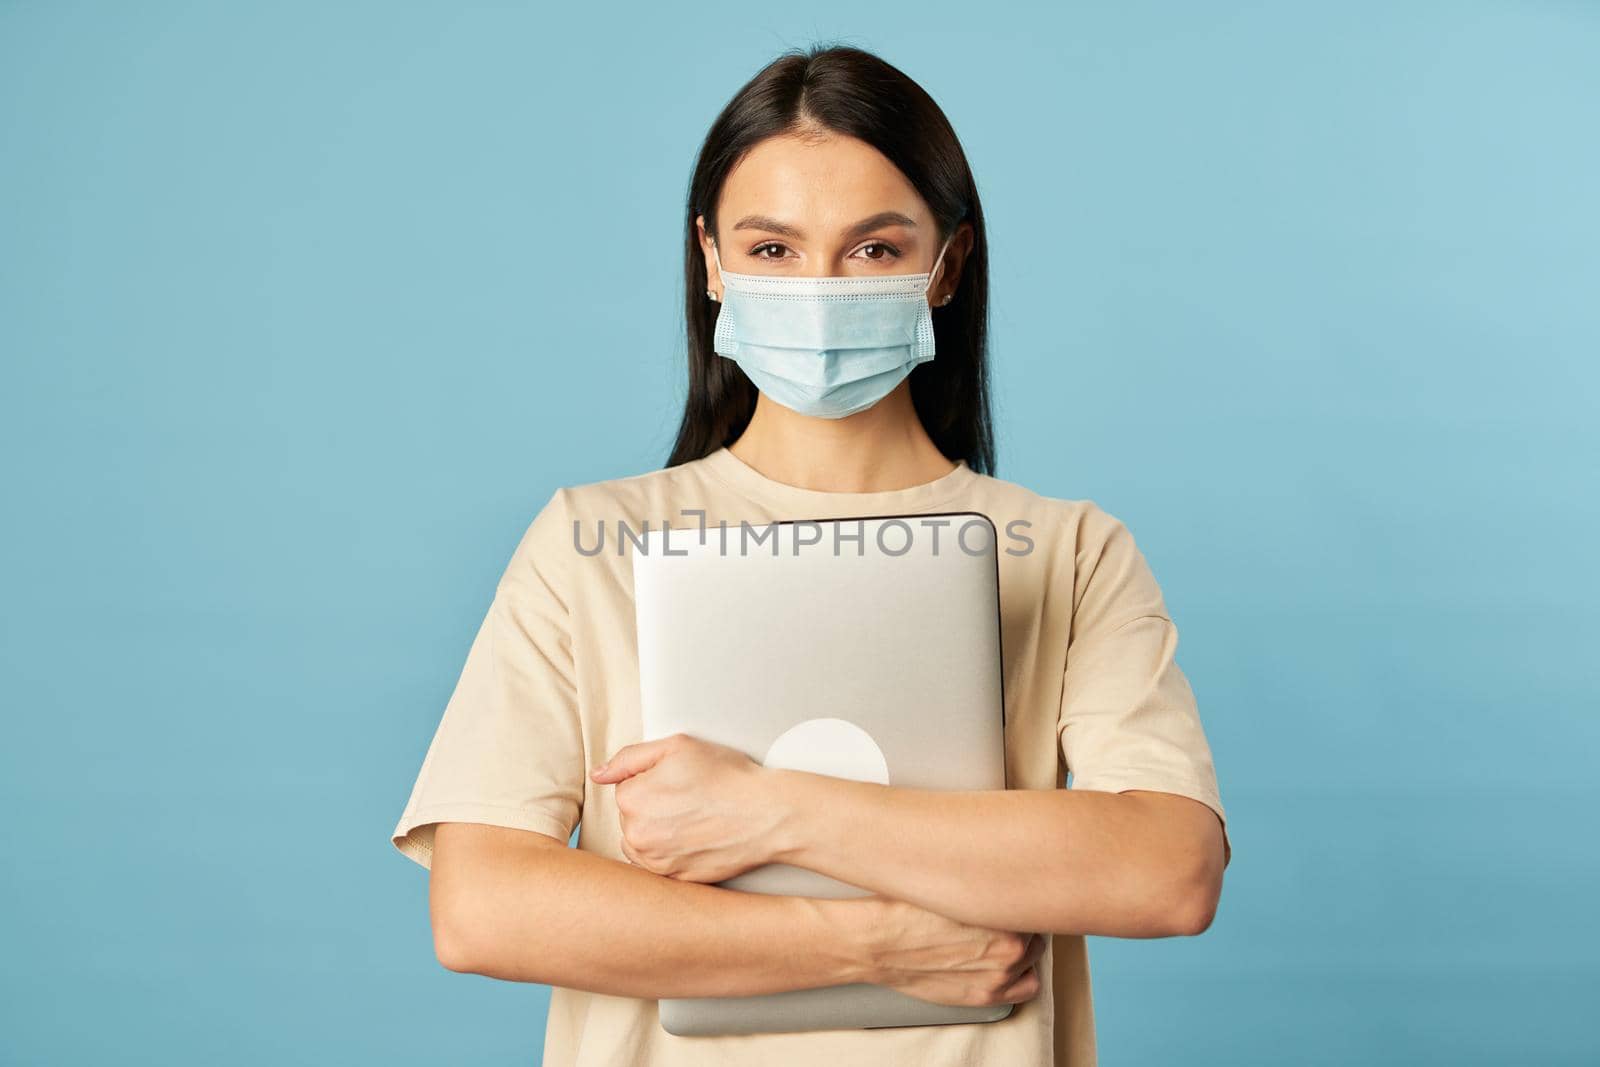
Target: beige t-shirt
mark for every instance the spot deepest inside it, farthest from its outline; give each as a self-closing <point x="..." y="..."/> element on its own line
<point x="550" y="688"/>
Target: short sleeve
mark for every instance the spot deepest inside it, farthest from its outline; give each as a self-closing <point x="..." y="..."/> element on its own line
<point x="508" y="750"/>
<point x="1128" y="717"/>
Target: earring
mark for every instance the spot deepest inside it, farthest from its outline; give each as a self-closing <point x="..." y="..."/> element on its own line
<point x="946" y="299"/>
<point x="711" y="296"/>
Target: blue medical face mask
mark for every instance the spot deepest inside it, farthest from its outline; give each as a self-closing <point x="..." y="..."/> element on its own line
<point x="826" y="347"/>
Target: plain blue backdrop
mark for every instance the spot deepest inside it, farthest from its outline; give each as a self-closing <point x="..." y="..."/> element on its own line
<point x="306" y="308"/>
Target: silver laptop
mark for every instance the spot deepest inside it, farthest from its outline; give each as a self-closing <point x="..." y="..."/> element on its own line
<point x="864" y="648"/>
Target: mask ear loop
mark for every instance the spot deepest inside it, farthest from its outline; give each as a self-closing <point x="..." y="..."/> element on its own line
<point x="932" y="273"/>
<point x="717" y="256"/>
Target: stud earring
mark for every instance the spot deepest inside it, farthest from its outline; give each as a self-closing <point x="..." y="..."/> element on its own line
<point x="711" y="296"/>
<point x="946" y="299"/>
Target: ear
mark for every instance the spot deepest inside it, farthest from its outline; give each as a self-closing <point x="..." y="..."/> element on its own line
<point x="713" y="276"/>
<point x="955" y="258"/>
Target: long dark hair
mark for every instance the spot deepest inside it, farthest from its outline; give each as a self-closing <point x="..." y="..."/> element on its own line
<point x="855" y="93"/>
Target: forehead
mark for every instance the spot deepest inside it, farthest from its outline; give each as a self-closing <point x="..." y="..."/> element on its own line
<point x="819" y="185"/>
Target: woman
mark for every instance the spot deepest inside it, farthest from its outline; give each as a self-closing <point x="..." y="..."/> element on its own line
<point x="830" y="164"/>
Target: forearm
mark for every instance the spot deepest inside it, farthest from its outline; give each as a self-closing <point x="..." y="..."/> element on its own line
<point x="564" y="917"/>
<point x="1062" y="861"/>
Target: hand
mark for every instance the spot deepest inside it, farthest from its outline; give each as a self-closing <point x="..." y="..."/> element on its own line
<point x="925" y="955"/>
<point x="692" y="809"/>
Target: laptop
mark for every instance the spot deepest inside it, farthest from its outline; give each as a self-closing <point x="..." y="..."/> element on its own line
<point x="863" y="647"/>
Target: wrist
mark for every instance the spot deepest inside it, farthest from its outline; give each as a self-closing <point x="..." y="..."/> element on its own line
<point x="852" y="931"/>
<point x="790" y="816"/>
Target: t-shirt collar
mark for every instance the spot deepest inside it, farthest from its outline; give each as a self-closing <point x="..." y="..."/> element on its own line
<point x="816" y="503"/>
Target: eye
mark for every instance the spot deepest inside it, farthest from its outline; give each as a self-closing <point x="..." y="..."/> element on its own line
<point x="886" y="251"/>
<point x="758" y="249"/>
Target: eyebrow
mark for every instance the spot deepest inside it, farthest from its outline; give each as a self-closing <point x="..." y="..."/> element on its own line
<point x="866" y="225"/>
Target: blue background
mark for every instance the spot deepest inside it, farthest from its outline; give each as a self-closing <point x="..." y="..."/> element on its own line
<point x="305" y="310"/>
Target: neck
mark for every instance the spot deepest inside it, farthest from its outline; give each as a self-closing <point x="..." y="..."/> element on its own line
<point x="876" y="450"/>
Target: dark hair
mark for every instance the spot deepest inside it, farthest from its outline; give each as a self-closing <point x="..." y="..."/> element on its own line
<point x="855" y="93"/>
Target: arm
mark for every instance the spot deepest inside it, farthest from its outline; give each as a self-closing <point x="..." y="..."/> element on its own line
<point x="1133" y="864"/>
<point x="1129" y="863"/>
<point x="522" y="906"/>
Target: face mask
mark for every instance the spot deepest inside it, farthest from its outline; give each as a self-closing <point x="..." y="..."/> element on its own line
<point x="826" y="347"/>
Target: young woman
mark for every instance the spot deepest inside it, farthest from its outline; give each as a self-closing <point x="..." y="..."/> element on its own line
<point x="831" y="185"/>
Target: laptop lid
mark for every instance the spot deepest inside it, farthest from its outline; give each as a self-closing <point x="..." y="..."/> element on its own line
<point x="862" y="647"/>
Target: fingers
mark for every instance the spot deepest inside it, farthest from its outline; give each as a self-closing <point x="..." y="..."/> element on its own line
<point x="631" y="760"/>
<point x="1037" y="943"/>
<point x="1026" y="984"/>
<point x="1024" y="988"/>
